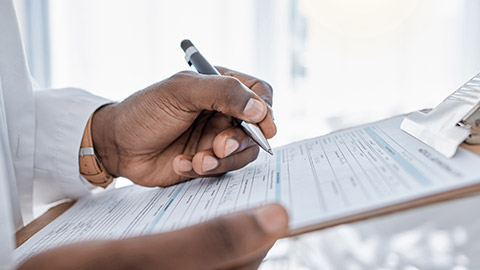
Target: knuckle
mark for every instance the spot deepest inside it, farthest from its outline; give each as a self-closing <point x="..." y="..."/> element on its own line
<point x="180" y="88"/>
<point x="171" y="83"/>
<point x="185" y="73"/>
<point x="232" y="163"/>
<point x="231" y="83"/>
<point x="247" y="142"/>
<point x="265" y="85"/>
<point x="255" y="152"/>
<point x="251" y="154"/>
<point x="228" y="98"/>
<point x="181" y="79"/>
<point x="267" y="91"/>
<point x="236" y="161"/>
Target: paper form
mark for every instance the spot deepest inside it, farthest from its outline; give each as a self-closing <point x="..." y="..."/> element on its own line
<point x="317" y="180"/>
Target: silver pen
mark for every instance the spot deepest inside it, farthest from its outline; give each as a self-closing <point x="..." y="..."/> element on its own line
<point x="195" y="58"/>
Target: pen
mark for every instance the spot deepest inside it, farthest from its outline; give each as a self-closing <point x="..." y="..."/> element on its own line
<point x="195" y="58"/>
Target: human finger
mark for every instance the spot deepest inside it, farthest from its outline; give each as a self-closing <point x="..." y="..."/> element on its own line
<point x="205" y="163"/>
<point x="230" y="141"/>
<point x="224" y="242"/>
<point x="267" y="125"/>
<point x="225" y="140"/>
<point x="260" y="87"/>
<point x="195" y="92"/>
<point x="182" y="166"/>
<point x="217" y="124"/>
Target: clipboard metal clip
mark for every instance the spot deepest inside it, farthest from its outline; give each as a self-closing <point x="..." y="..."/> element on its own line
<point x="455" y="120"/>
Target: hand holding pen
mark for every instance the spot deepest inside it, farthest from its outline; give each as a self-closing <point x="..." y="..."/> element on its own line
<point x="183" y="127"/>
<point x="195" y="59"/>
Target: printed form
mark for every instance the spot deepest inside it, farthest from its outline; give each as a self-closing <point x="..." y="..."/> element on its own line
<point x="317" y="180"/>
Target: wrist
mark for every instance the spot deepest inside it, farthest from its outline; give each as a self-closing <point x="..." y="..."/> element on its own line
<point x="103" y="137"/>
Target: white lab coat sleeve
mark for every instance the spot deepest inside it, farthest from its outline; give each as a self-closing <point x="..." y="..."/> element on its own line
<point x="61" y="116"/>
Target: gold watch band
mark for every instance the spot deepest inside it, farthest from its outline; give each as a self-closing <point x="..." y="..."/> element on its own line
<point x="90" y="167"/>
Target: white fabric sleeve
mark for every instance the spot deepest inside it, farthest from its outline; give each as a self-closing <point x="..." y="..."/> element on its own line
<point x="61" y="117"/>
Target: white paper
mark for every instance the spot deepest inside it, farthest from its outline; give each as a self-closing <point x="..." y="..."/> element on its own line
<point x="317" y="180"/>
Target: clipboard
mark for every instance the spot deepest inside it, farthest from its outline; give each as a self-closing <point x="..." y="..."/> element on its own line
<point x="425" y="199"/>
<point x="420" y="202"/>
<point x="35" y="226"/>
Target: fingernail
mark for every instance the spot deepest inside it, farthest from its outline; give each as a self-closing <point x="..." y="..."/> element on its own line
<point x="209" y="163"/>
<point x="185" y="165"/>
<point x="271" y="219"/>
<point x="230" y="146"/>
<point x="254" y="110"/>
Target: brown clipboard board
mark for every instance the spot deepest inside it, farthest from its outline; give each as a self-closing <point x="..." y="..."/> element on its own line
<point x="22" y="235"/>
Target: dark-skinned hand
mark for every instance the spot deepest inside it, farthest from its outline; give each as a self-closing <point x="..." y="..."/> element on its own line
<point x="182" y="128"/>
<point x="236" y="241"/>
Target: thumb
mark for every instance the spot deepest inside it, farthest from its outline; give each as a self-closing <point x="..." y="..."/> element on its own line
<point x="224" y="94"/>
<point x="229" y="240"/>
<point x="238" y="238"/>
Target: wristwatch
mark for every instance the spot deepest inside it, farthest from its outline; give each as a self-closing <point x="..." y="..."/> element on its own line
<point x="91" y="166"/>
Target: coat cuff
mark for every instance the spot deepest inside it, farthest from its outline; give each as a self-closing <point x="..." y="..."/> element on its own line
<point x="61" y="117"/>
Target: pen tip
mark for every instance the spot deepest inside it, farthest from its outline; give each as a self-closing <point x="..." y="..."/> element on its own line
<point x="270" y="151"/>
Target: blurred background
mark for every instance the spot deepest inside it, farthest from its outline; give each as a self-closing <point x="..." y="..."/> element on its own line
<point x="332" y="63"/>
